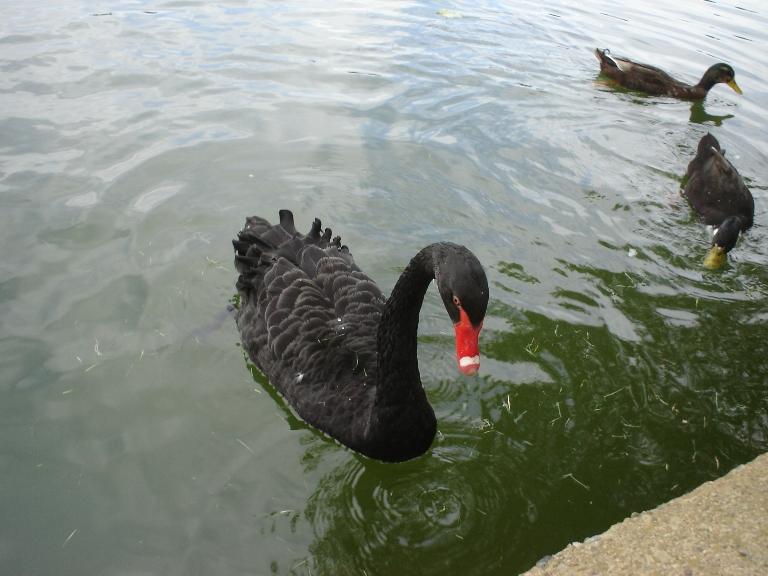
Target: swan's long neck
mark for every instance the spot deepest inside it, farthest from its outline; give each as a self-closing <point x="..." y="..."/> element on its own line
<point x="398" y="368"/>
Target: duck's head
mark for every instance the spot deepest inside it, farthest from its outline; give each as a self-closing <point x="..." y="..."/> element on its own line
<point x="720" y="73"/>
<point x="463" y="288"/>
<point x="724" y="239"/>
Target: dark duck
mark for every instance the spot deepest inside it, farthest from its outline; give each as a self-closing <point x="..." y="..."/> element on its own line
<point x="342" y="355"/>
<point x="716" y="191"/>
<point x="656" y="82"/>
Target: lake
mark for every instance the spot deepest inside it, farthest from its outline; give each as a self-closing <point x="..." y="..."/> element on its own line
<point x="617" y="371"/>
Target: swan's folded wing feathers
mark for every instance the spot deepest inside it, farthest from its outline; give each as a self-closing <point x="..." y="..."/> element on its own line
<point x="274" y="321"/>
<point x="282" y="335"/>
<point x="342" y="287"/>
<point x="276" y="281"/>
<point x="367" y="300"/>
<point x="309" y="257"/>
<point x="310" y="316"/>
<point x="357" y="305"/>
<point x="299" y="317"/>
<point x="336" y="268"/>
<point x="356" y="294"/>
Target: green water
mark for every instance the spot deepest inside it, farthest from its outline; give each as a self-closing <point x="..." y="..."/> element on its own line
<point x="134" y="139"/>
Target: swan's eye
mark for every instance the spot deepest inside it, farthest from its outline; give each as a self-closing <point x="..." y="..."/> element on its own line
<point x="457" y="302"/>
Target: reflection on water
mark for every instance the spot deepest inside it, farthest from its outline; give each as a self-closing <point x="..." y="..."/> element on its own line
<point x="700" y="116"/>
<point x="617" y="372"/>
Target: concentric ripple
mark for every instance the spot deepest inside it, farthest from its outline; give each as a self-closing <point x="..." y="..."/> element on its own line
<point x="375" y="516"/>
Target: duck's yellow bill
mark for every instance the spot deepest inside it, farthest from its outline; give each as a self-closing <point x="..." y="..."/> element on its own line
<point x="732" y="84"/>
<point x="715" y="258"/>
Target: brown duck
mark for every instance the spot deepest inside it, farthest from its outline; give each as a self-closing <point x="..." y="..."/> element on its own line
<point x="716" y="191"/>
<point x="656" y="82"/>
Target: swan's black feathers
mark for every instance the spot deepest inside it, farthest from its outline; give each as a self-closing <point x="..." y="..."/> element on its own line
<point x="286" y="222"/>
<point x="308" y="316"/>
<point x="340" y="354"/>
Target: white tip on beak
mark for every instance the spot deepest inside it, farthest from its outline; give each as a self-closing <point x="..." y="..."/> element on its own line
<point x="469" y="364"/>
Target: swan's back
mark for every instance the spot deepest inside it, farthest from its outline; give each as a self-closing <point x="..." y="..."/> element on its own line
<point x="308" y="319"/>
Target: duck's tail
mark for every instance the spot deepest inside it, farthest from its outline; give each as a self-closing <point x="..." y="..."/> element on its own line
<point x="708" y="148"/>
<point x="604" y="59"/>
<point x="708" y="143"/>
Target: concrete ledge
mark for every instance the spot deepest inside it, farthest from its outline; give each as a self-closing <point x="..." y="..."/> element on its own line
<point x="720" y="528"/>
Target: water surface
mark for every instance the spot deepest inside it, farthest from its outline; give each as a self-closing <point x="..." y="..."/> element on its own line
<point x="134" y="140"/>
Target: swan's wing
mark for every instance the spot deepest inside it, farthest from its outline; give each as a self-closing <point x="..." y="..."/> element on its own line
<point x="306" y="352"/>
<point x="352" y="292"/>
<point x="306" y="307"/>
<point x="296" y="316"/>
<point x="357" y="302"/>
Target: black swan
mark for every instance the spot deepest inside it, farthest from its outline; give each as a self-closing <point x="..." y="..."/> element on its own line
<point x="716" y="191"/>
<point x="342" y="355"/>
<point x="656" y="82"/>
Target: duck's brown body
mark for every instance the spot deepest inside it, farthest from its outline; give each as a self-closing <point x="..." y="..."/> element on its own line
<point x="716" y="191"/>
<point x="656" y="82"/>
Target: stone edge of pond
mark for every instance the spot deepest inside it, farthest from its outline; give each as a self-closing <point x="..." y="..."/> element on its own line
<point x="721" y="527"/>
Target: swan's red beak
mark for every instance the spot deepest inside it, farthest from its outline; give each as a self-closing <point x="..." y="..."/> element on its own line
<point x="467" y="351"/>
